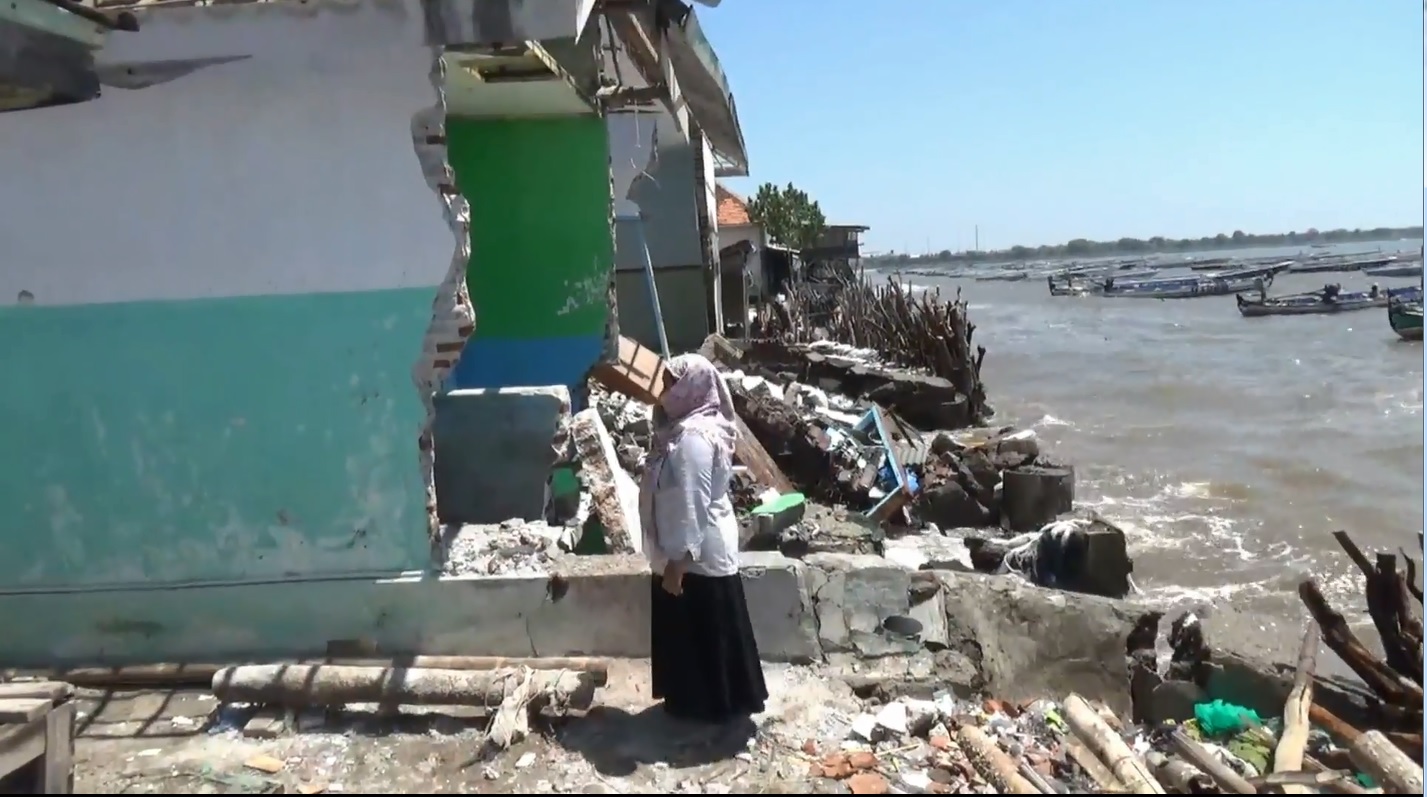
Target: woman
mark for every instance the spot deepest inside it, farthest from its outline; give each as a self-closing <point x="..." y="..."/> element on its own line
<point x="705" y="661"/>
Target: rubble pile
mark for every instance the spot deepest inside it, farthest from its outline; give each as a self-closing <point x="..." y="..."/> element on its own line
<point x="888" y="452"/>
<point x="515" y="547"/>
<point x="946" y="745"/>
<point x="924" y="333"/>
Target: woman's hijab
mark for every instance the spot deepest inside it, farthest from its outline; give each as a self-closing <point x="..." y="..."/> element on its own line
<point x="697" y="403"/>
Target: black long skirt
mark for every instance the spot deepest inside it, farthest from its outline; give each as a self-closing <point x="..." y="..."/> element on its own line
<point x="704" y="658"/>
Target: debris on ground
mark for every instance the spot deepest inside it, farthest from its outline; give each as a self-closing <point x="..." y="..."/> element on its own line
<point x="877" y="728"/>
<point x="515" y="547"/>
<point x="829" y="462"/>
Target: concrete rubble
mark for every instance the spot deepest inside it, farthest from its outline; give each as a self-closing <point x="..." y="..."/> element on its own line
<point x="515" y="547"/>
<point x="836" y="426"/>
<point x="890" y="716"/>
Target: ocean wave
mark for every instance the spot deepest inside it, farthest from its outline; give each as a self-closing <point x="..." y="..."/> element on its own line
<point x="1050" y="420"/>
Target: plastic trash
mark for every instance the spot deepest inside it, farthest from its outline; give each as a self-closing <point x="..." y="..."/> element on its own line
<point x="1218" y="718"/>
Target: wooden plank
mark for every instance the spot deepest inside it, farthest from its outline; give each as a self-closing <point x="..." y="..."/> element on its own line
<point x="54" y="691"/>
<point x="751" y="453"/>
<point x="639" y="372"/>
<point x="19" y="745"/>
<point x="22" y="709"/>
<point x="59" y="751"/>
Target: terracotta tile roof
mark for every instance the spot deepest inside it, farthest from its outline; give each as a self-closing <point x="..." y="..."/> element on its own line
<point x="732" y="210"/>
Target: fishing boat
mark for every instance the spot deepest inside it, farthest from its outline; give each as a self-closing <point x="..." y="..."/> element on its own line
<point x="1320" y="302"/>
<point x="1395" y="270"/>
<point x="1319" y="266"/>
<point x="1090" y="284"/>
<point x="1184" y="287"/>
<point x="1405" y="317"/>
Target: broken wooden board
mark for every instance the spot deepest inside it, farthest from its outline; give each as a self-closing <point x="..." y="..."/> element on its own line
<point x="638" y="373"/>
<point x="755" y="457"/>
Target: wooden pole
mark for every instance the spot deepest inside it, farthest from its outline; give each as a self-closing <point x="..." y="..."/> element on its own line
<point x="201" y="673"/>
<point x="1389" y="766"/>
<point x="992" y="762"/>
<point x="1094" y="767"/>
<point x="1226" y="779"/>
<point x="324" y="685"/>
<point x="1288" y="754"/>
<point x="1105" y="743"/>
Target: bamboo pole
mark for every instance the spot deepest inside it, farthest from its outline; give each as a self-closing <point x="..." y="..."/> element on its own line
<point x="1103" y="741"/>
<point x="992" y="762"/>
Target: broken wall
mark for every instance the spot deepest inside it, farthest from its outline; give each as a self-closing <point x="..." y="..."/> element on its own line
<point x="655" y="173"/>
<point x="215" y="288"/>
<point x="539" y="274"/>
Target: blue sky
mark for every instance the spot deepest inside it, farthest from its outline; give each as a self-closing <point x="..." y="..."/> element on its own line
<point x="1046" y="120"/>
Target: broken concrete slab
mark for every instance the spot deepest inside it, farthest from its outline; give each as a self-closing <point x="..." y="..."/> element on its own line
<point x="1028" y="641"/>
<point x="781" y="607"/>
<point x="494" y="450"/>
<point x="853" y="595"/>
<point x="614" y="493"/>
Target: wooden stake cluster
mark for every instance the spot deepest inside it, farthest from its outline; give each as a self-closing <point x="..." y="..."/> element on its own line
<point x="1391" y="753"/>
<point x="1394" y="603"/>
<point x="923" y="332"/>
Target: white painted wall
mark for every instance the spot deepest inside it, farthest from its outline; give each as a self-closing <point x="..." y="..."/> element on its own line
<point x="652" y="162"/>
<point x="288" y="171"/>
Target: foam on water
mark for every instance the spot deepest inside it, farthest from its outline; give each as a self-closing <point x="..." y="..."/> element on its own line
<point x="1051" y="420"/>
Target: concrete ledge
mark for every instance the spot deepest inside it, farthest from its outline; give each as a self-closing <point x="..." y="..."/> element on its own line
<point x="596" y="606"/>
<point x="494" y="451"/>
<point x="1019" y="640"/>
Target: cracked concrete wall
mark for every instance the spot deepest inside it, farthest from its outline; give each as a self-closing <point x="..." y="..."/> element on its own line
<point x="453" y="316"/>
<point x="226" y="277"/>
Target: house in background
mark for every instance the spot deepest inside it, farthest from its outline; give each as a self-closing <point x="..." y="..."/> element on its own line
<point x="837" y="253"/>
<point x="742" y="244"/>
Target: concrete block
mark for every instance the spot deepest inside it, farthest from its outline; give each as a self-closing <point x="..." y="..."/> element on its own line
<point x="857" y="592"/>
<point x="614" y="494"/>
<point x="596" y="606"/>
<point x="268" y="723"/>
<point x="1033" y="641"/>
<point x="780" y="607"/>
<point x="931" y="613"/>
<point x="494" y="451"/>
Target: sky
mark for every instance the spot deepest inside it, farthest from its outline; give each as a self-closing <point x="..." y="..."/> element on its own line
<point x="1041" y="121"/>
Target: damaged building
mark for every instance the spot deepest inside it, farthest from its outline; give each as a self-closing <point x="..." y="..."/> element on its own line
<point x="280" y="273"/>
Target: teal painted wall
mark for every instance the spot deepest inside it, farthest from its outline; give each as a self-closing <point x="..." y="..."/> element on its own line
<point x="542" y="247"/>
<point x="211" y="439"/>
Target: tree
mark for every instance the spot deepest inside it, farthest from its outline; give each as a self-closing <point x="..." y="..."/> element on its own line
<point x="787" y="215"/>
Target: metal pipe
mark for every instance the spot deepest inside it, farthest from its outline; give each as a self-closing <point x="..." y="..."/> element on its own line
<point x="636" y="224"/>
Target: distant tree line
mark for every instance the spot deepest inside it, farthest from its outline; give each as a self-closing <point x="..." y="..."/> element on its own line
<point x="1081" y="247"/>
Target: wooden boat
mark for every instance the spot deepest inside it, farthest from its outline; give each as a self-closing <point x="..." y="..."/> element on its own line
<point x="1395" y="270"/>
<point x="1314" y="302"/>
<point x="1405" y="317"/>
<point x="1090" y="283"/>
<point x="1318" y="266"/>
<point x="1184" y="287"/>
